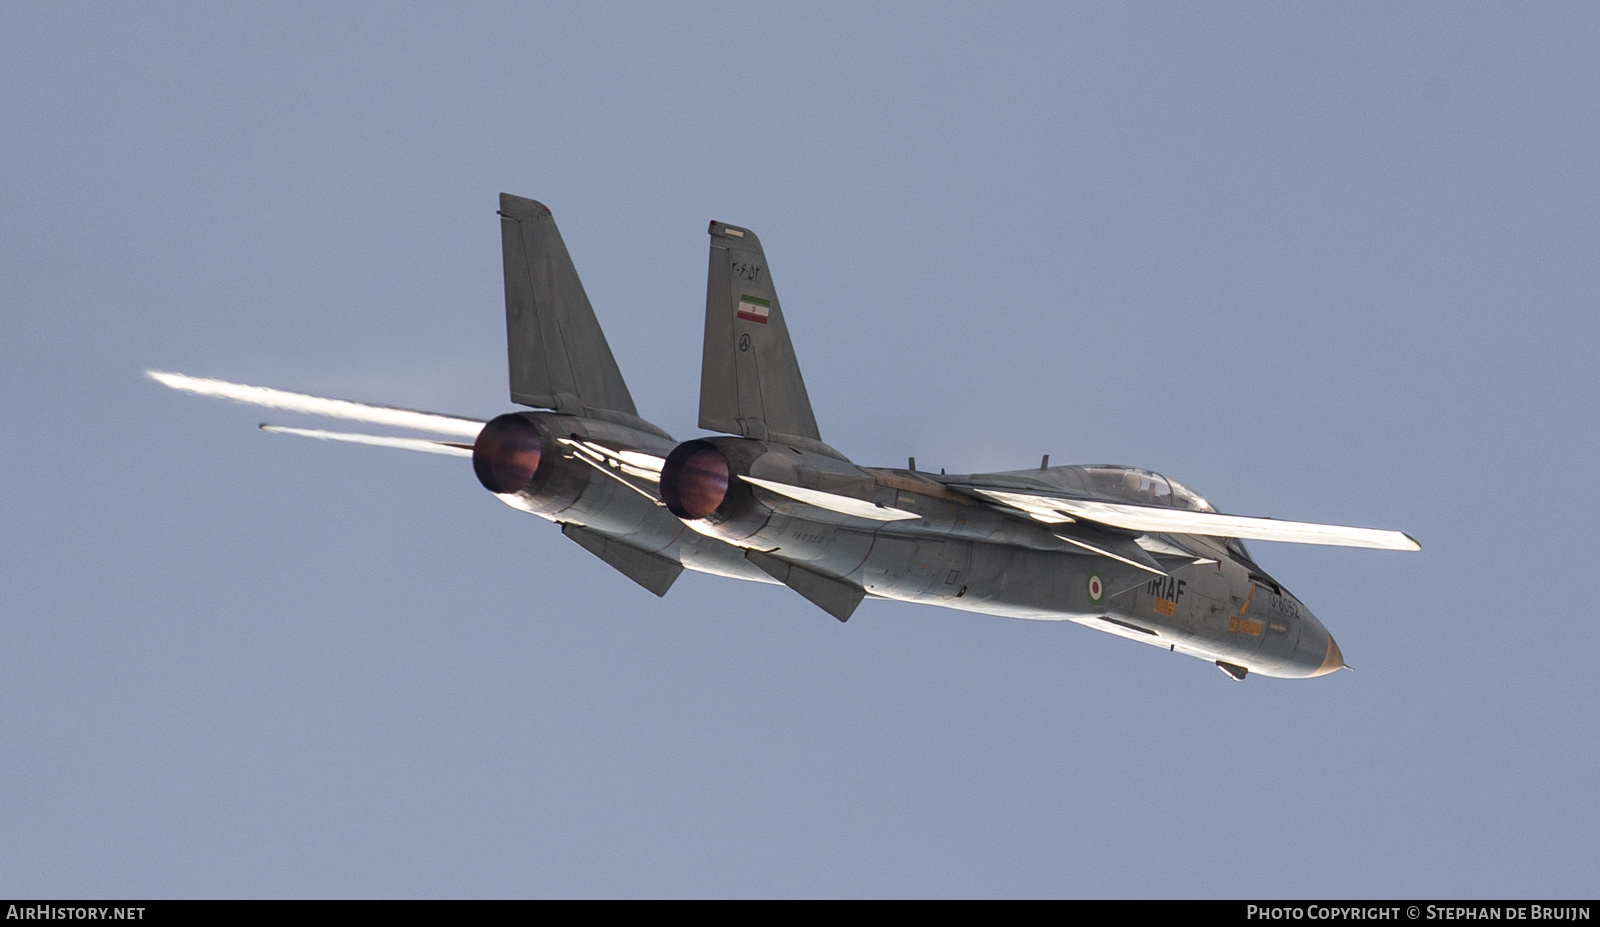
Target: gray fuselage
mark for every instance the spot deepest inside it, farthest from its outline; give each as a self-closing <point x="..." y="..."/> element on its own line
<point x="1212" y="602"/>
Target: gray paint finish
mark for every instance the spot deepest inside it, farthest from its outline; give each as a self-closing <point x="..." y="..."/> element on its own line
<point x="1319" y="261"/>
<point x="750" y="383"/>
<point x="559" y="358"/>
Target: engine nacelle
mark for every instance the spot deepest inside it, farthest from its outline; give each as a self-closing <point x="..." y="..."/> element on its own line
<point x="517" y="454"/>
<point x="700" y="481"/>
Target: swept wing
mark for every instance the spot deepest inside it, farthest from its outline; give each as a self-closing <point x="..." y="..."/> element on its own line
<point x="449" y="448"/>
<point x="1058" y="509"/>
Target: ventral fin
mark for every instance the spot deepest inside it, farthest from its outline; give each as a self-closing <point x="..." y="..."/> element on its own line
<point x="651" y="571"/>
<point x="837" y="597"/>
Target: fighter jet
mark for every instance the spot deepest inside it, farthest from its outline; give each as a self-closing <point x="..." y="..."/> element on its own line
<point x="1119" y="549"/>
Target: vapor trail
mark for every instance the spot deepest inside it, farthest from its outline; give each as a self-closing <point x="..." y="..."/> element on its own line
<point x="318" y="405"/>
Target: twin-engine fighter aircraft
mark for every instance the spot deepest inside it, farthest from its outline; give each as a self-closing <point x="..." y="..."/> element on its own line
<point x="1119" y="549"/>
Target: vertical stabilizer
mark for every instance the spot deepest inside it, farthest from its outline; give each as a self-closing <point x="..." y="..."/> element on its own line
<point x="750" y="381"/>
<point x="559" y="356"/>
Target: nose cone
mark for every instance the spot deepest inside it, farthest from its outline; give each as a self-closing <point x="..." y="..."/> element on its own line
<point x="1307" y="650"/>
<point x="1317" y="654"/>
<point x="1334" y="660"/>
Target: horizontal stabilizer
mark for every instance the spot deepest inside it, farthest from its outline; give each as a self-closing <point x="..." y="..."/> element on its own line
<point x="651" y="571"/>
<point x="834" y="596"/>
<point x="1059" y="509"/>
<point x="833" y="502"/>
<point x="319" y="405"/>
<point x="407" y="444"/>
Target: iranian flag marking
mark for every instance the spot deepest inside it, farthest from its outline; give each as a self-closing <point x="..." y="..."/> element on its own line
<point x="754" y="308"/>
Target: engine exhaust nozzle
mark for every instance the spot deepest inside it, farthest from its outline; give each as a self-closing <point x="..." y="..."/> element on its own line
<point x="506" y="454"/>
<point x="694" y="480"/>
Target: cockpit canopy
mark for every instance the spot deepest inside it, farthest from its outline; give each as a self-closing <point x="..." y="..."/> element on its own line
<point x="1132" y="484"/>
<point x="1142" y="486"/>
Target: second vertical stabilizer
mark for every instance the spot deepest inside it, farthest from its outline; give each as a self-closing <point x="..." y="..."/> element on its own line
<point x="750" y="381"/>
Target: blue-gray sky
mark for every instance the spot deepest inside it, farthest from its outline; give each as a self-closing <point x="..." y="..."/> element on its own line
<point x="1328" y="262"/>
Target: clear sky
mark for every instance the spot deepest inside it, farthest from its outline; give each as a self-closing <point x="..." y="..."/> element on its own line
<point x="1329" y="262"/>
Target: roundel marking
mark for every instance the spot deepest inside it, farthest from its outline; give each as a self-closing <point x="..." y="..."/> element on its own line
<point x="744" y="342"/>
<point x="1097" y="588"/>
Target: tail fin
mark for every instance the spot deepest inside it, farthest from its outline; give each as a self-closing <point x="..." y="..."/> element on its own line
<point x="559" y="356"/>
<point x="750" y="381"/>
